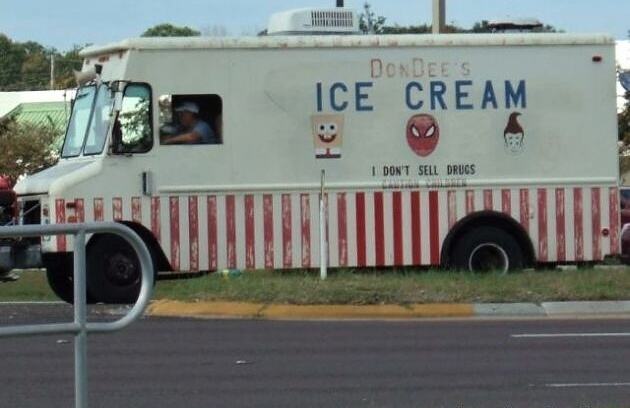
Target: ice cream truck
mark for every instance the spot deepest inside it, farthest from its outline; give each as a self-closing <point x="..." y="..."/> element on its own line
<point x="469" y="152"/>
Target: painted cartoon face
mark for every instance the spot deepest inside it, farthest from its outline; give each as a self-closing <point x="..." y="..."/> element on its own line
<point x="514" y="134"/>
<point x="514" y="142"/>
<point x="327" y="130"/>
<point x="423" y="134"/>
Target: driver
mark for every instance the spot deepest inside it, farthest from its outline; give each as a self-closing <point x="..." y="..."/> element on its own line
<point x="192" y="130"/>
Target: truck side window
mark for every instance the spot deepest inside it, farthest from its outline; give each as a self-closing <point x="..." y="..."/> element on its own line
<point x="191" y="119"/>
<point x="134" y="121"/>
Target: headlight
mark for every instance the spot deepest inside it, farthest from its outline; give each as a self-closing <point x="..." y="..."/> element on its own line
<point x="45" y="214"/>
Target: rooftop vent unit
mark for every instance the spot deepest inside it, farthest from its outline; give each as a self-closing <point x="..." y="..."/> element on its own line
<point x="314" y="22"/>
<point x="515" y="25"/>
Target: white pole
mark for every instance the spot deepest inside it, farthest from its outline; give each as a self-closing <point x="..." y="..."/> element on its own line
<point x="80" y="319"/>
<point x="439" y="16"/>
<point x="52" y="71"/>
<point x="323" y="256"/>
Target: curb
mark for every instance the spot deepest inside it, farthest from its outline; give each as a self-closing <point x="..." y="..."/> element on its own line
<point x="167" y="308"/>
<point x="587" y="308"/>
<point x="238" y="310"/>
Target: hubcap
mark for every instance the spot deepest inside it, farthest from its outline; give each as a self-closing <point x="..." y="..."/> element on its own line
<point x="121" y="270"/>
<point x="488" y="257"/>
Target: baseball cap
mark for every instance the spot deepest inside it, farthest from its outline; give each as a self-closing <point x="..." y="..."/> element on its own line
<point x="188" y="107"/>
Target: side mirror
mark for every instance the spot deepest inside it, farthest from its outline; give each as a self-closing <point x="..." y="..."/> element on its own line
<point x="83" y="77"/>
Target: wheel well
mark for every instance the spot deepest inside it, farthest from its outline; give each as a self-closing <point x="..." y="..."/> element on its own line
<point x="151" y="242"/>
<point x="488" y="218"/>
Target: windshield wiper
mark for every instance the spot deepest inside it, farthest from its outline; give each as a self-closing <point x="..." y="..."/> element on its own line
<point x="80" y="96"/>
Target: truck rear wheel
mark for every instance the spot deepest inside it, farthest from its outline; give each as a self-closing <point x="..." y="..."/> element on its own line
<point x="487" y="249"/>
<point x="114" y="274"/>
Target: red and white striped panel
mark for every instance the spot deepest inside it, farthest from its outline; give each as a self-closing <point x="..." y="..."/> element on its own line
<point x="365" y="228"/>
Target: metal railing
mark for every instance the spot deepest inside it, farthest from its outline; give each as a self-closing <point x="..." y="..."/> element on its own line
<point x="80" y="327"/>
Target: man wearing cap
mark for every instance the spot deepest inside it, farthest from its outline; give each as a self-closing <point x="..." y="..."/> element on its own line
<point x="193" y="129"/>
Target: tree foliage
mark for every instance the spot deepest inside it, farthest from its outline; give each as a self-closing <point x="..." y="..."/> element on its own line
<point x="624" y="122"/>
<point x="420" y="29"/>
<point x="372" y="23"/>
<point x="25" y="148"/>
<point x="483" y="26"/>
<point x="170" y="30"/>
<point x="26" y="66"/>
<point x="623" y="126"/>
<point x="369" y="22"/>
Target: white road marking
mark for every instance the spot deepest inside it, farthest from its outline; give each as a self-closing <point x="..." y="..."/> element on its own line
<point x="555" y="335"/>
<point x="577" y="385"/>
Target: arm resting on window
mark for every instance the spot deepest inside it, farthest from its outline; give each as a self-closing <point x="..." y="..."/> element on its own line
<point x="186" y="138"/>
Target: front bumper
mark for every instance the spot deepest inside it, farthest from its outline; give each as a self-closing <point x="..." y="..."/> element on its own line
<point x="19" y="256"/>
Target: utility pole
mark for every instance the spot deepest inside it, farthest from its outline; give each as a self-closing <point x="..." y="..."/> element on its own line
<point x="439" y="16"/>
<point x="369" y="21"/>
<point x="52" y="71"/>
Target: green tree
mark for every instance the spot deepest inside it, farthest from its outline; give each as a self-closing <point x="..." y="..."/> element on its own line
<point x="65" y="65"/>
<point x="369" y="22"/>
<point x="481" y="27"/>
<point x="26" y="148"/>
<point x="170" y="30"/>
<point x="421" y="29"/>
<point x="484" y="27"/>
<point x="12" y="57"/>
<point x="624" y="116"/>
<point x="623" y="120"/>
<point x="397" y="29"/>
<point x="372" y="23"/>
<point x="26" y="66"/>
<point x="35" y="72"/>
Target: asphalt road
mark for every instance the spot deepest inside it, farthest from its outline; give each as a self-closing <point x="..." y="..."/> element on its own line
<point x="225" y="363"/>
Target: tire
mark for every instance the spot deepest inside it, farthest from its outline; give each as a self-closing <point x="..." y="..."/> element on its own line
<point x="487" y="249"/>
<point x="59" y="272"/>
<point x="114" y="274"/>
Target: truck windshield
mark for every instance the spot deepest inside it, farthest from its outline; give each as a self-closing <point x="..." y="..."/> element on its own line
<point x="89" y="121"/>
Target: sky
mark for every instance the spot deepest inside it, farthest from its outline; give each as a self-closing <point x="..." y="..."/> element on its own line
<point x="64" y="23"/>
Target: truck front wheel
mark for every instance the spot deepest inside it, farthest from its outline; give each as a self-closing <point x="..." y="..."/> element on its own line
<point x="59" y="269"/>
<point x="487" y="249"/>
<point x="114" y="274"/>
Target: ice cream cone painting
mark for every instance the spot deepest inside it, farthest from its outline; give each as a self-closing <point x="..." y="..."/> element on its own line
<point x="327" y="135"/>
<point x="514" y="135"/>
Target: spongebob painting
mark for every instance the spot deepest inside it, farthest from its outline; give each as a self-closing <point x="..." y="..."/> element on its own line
<point x="327" y="135"/>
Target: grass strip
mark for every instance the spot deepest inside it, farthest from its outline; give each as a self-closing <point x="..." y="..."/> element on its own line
<point x="371" y="287"/>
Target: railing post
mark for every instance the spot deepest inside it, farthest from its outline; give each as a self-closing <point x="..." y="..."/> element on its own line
<point x="80" y="327"/>
<point x="80" y="319"/>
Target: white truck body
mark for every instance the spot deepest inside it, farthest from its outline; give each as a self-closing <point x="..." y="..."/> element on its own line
<point x="424" y="133"/>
